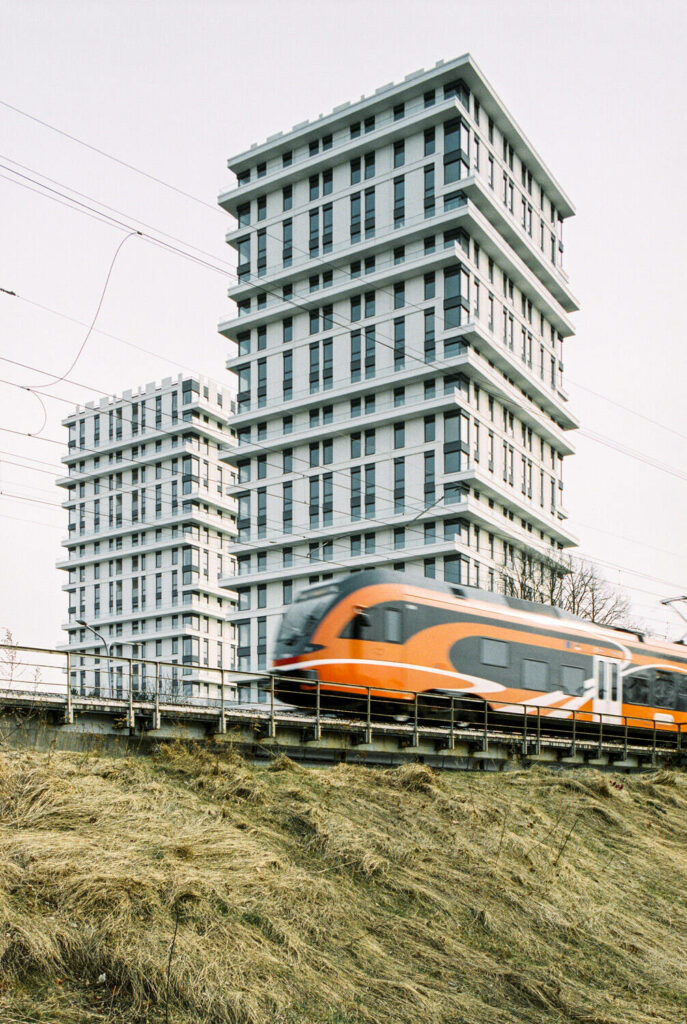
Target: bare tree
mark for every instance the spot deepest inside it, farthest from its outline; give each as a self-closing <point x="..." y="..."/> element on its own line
<point x="572" y="584"/>
<point x="9" y="659"/>
<point x="533" y="578"/>
<point x="12" y="669"/>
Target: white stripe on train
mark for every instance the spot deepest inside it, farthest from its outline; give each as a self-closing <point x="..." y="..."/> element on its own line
<point x="476" y="682"/>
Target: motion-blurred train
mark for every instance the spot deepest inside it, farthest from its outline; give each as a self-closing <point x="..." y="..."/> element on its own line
<point x="380" y="633"/>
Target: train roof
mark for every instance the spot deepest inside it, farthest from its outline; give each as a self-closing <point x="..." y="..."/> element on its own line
<point x="372" y="577"/>
<point x="345" y="585"/>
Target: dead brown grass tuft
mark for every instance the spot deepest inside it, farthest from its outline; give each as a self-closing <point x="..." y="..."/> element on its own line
<point x="337" y="896"/>
<point x="282" y="763"/>
<point x="414" y="778"/>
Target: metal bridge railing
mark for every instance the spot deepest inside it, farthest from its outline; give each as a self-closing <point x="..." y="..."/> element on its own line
<point x="39" y="676"/>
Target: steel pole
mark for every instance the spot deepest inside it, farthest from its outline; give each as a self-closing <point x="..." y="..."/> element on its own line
<point x="157" y="695"/>
<point x="70" y="709"/>
<point x="222" y="721"/>
<point x="132" y="720"/>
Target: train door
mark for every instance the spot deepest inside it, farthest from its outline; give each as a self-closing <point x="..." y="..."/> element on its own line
<point x="608" y="687"/>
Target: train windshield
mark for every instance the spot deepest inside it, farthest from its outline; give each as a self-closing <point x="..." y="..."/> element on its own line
<point x="302" y="617"/>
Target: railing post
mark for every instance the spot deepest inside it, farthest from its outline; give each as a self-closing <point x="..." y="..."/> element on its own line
<point x="70" y="709"/>
<point x="368" y="717"/>
<point x="132" y="721"/>
<point x="653" y="744"/>
<point x="601" y="732"/>
<point x="273" y="725"/>
<point x="416" y="735"/>
<point x="485" y="738"/>
<point x="679" y="737"/>
<point x="156" y="712"/>
<point x="318" y="727"/>
<point x="625" y="740"/>
<point x="452" y="734"/>
<point x="524" y="729"/>
<point x="574" y="734"/>
<point x="538" y="729"/>
<point x="222" y="721"/>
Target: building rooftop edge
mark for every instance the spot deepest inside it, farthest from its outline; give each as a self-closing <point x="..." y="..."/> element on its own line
<point x="493" y="104"/>
<point x="142" y="391"/>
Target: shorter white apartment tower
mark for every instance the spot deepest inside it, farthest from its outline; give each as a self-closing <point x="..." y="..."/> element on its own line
<point x="401" y="312"/>
<point x="150" y="524"/>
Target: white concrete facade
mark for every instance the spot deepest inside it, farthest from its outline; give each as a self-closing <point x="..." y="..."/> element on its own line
<point x="398" y="343"/>
<point x="151" y="523"/>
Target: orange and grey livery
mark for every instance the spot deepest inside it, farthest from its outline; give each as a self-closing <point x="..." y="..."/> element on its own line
<point x="384" y="632"/>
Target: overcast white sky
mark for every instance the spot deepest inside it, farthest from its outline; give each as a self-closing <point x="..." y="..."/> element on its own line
<point x="176" y="87"/>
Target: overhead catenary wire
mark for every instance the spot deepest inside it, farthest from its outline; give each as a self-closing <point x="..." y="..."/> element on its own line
<point x="579" y="558"/>
<point x="379" y="487"/>
<point x="628" y="540"/>
<point x="647" y="460"/>
<point x="418" y="307"/>
<point x="110" y="156"/>
<point x="76" y="358"/>
<point x="438" y="363"/>
<point x="215" y="209"/>
<point x="324" y="564"/>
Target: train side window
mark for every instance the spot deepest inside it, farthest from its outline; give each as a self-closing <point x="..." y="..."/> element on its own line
<point x="681" y="699"/>
<point x="664" y="689"/>
<point x="361" y="626"/>
<point x="495" y="652"/>
<point x="636" y="688"/>
<point x="615" y="675"/>
<point x="572" y="680"/>
<point x="393" y="625"/>
<point x="535" y="674"/>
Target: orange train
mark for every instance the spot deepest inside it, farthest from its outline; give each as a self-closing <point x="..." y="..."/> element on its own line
<point x="399" y="637"/>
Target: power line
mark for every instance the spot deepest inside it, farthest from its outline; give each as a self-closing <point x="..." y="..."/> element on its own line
<point x="110" y="156"/>
<point x="633" y="454"/>
<point x="105" y="206"/>
<point x="215" y="209"/>
<point x="380" y="488"/>
<point x="438" y="363"/>
<point x="627" y="408"/>
<point x="598" y="438"/>
<point x="34" y="522"/>
<point x="579" y="558"/>
<point x="24" y="465"/>
<point x="99" y="215"/>
<point x="41" y="462"/>
<point x="105" y="334"/>
<point x="628" y="540"/>
<point x="76" y="358"/>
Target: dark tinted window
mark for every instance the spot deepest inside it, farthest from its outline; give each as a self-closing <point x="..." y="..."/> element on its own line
<point x="637" y="688"/>
<point x="656" y="688"/>
<point x="664" y="689"/>
<point x="393" y="625"/>
<point x="396" y="621"/>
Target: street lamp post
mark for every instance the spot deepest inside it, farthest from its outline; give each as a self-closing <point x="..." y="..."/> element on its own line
<point x="82" y="622"/>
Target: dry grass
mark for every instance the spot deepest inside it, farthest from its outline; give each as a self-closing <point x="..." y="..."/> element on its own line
<point x="338" y="896"/>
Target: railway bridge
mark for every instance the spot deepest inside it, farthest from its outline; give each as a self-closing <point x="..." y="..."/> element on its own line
<point x="41" y="708"/>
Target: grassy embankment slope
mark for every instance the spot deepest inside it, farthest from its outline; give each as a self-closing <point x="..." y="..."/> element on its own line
<point x="341" y="895"/>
